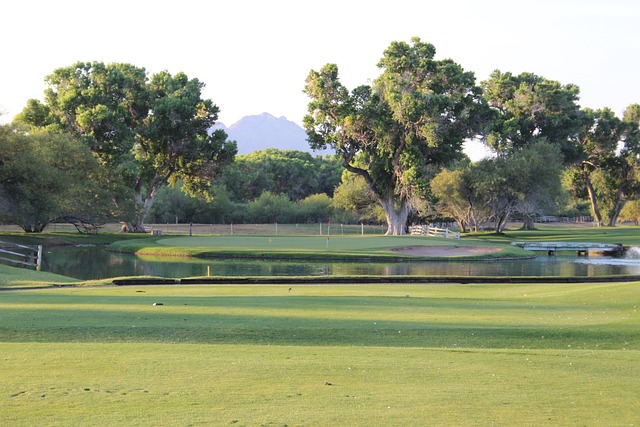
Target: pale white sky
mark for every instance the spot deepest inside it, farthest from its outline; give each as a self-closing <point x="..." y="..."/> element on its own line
<point x="254" y="55"/>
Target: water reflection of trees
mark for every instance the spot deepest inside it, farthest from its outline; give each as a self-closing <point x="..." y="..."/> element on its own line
<point x="96" y="263"/>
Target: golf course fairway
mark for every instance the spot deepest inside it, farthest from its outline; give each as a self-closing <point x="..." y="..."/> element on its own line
<point x="347" y="355"/>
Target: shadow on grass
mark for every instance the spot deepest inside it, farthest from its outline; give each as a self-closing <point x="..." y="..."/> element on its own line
<point x="442" y="337"/>
<point x="308" y="328"/>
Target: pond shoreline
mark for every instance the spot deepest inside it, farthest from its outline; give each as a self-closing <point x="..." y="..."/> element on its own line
<point x="363" y="258"/>
<point x="333" y="280"/>
<point x="354" y="280"/>
<point x="420" y="253"/>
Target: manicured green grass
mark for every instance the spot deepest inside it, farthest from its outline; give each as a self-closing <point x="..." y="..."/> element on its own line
<point x="371" y="247"/>
<point x="321" y="355"/>
<point x="370" y="355"/>
<point x="225" y="385"/>
<point x="336" y="247"/>
<point x="68" y="238"/>
<point x="316" y="247"/>
<point x="626" y="235"/>
<point x="13" y="277"/>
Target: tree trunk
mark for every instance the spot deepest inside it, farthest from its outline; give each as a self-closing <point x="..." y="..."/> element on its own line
<point x="396" y="219"/>
<point x="619" y="204"/>
<point x="132" y="227"/>
<point x="136" y="225"/>
<point x="613" y="218"/>
<point x="593" y="198"/>
<point x="501" y="223"/>
<point x="33" y="227"/>
<point x="528" y="223"/>
<point x="472" y="219"/>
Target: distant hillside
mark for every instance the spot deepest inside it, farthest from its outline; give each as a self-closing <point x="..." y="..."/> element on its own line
<point x="266" y="131"/>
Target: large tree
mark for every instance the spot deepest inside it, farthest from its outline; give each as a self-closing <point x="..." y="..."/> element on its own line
<point x="46" y="177"/>
<point x="530" y="109"/>
<point x="526" y="182"/>
<point x="396" y="133"/>
<point x="609" y="167"/>
<point x="462" y="194"/>
<point x="148" y="132"/>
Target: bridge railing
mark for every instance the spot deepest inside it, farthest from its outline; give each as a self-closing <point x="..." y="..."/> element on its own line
<point x="582" y="248"/>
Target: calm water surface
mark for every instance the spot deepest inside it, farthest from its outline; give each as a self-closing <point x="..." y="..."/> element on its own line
<point x="96" y="263"/>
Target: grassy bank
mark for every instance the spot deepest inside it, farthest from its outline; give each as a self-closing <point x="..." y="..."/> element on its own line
<point x="372" y="247"/>
<point x="177" y="242"/>
<point x="68" y="238"/>
<point x="372" y="355"/>
<point x="14" y="278"/>
<point x="625" y="235"/>
<point x="377" y="248"/>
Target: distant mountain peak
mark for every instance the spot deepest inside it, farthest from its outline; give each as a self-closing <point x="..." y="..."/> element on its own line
<point x="258" y="132"/>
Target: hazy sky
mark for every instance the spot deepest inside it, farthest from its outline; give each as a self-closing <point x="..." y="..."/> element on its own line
<point x="254" y="55"/>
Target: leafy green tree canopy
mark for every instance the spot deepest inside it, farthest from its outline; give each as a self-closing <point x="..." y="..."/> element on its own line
<point x="461" y="194"/>
<point x="609" y="166"/>
<point x="294" y="173"/>
<point x="149" y="132"/>
<point x="47" y="176"/>
<point x="395" y="133"/>
<point x="528" y="108"/>
<point x="354" y="196"/>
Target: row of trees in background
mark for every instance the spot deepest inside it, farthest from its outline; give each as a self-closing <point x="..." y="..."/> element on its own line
<point x="539" y="178"/>
<point x="174" y="206"/>
<point x="110" y="143"/>
<point x="263" y="186"/>
<point x="400" y="132"/>
<point x="283" y="186"/>
<point x="293" y="173"/>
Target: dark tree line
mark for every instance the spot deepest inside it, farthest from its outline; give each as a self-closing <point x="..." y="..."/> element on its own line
<point x="264" y="186"/>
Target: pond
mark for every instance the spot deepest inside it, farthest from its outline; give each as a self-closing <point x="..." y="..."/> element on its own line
<point x="95" y="262"/>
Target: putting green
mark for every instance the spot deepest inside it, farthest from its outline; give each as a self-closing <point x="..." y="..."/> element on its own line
<point x="306" y="243"/>
<point x="334" y="247"/>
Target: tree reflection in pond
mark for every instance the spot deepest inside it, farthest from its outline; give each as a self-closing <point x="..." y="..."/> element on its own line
<point x="87" y="263"/>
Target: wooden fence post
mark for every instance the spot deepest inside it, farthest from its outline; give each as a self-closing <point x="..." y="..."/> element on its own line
<point x="39" y="259"/>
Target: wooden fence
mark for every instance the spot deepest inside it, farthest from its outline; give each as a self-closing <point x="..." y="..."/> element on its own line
<point x="229" y="229"/>
<point x="576" y="219"/>
<point x="28" y="256"/>
<point x="427" y="230"/>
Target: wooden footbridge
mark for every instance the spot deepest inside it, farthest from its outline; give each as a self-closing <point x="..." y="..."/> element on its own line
<point x="581" y="248"/>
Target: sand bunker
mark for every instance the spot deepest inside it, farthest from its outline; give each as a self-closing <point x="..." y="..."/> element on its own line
<point x="446" y="251"/>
